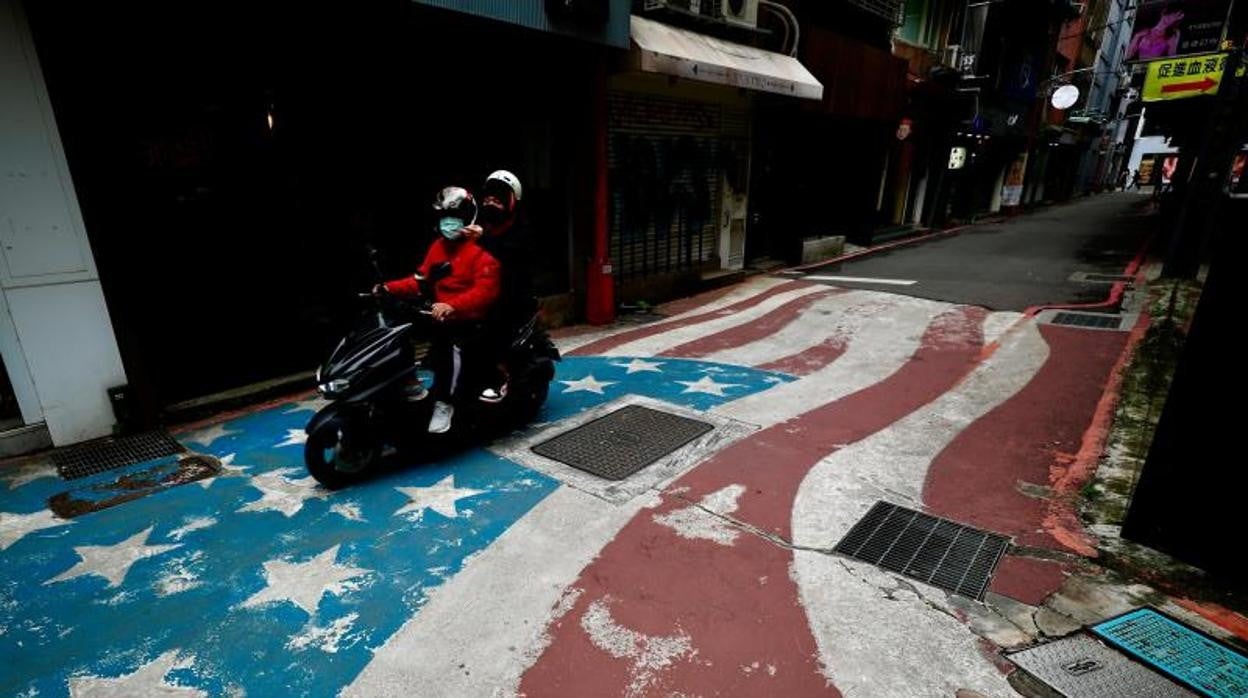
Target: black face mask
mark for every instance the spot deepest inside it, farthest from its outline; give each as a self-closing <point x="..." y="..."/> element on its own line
<point x="493" y="216"/>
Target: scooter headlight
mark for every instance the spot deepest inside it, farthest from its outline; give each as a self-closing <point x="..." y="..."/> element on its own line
<point x="334" y="387"/>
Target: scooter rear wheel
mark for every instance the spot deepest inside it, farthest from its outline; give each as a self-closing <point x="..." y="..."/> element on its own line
<point x="334" y="465"/>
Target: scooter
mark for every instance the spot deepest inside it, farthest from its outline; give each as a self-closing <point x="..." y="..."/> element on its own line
<point x="368" y="381"/>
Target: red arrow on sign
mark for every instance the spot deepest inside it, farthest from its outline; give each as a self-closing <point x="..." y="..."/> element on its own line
<point x="1200" y="86"/>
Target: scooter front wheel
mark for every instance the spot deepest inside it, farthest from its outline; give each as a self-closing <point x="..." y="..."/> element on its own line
<point x="335" y="461"/>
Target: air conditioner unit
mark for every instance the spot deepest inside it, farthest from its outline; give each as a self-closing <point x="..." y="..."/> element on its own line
<point x="742" y="13"/>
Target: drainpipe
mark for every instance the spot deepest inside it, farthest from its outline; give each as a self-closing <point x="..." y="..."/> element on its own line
<point x="599" y="280"/>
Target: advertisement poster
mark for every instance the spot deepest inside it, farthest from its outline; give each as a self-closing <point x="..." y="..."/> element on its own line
<point x="1012" y="189"/>
<point x="1239" y="183"/>
<point x="1165" y="28"/>
<point x="1168" y="167"/>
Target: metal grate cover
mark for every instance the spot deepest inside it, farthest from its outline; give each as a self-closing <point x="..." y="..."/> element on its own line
<point x="619" y="444"/>
<point x="1103" y="322"/>
<point x="1080" y="666"/>
<point x="1184" y="653"/>
<point x="94" y="457"/>
<point x="936" y="551"/>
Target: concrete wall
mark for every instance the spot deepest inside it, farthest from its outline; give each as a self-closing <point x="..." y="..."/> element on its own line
<point x="55" y="333"/>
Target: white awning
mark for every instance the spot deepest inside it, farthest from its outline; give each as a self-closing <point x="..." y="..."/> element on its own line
<point x="668" y="50"/>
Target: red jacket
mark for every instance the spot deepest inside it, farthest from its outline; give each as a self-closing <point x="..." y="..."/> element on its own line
<point x="472" y="286"/>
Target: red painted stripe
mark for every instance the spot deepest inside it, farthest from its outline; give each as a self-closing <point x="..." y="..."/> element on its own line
<point x="1026" y="579"/>
<point x="775" y="460"/>
<point x="752" y="331"/>
<point x="684" y="305"/>
<point x="609" y="343"/>
<point x="994" y="473"/>
<point x="809" y="360"/>
<point x="737" y="605"/>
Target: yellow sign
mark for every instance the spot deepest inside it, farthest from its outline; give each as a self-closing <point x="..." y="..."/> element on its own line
<point x="1180" y="78"/>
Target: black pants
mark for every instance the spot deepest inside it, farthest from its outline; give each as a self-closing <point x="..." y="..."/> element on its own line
<point x="457" y="353"/>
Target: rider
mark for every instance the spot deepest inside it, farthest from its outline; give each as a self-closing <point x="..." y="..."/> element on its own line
<point x="502" y="235"/>
<point x="461" y="299"/>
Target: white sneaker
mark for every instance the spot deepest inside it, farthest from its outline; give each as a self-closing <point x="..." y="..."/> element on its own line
<point x="494" y="395"/>
<point x="440" y="423"/>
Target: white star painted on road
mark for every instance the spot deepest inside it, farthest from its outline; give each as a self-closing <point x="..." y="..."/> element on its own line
<point x="205" y="437"/>
<point x="228" y="469"/>
<point x="707" y="385"/>
<point x="14" y="527"/>
<point x="311" y="405"/>
<point x="29" y="474"/>
<point x="294" y="437"/>
<point x="304" y="583"/>
<point x="640" y="365"/>
<point x="112" y="562"/>
<point x="280" y="493"/>
<point x="148" y="680"/>
<point x="587" y="384"/>
<point x="440" y="498"/>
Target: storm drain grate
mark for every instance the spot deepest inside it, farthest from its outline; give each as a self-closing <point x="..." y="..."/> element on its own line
<point x="619" y="444"/>
<point x="1100" y="322"/>
<point x="109" y="454"/>
<point x="937" y="551"/>
<point x="1184" y="653"/>
<point x="1080" y="666"/>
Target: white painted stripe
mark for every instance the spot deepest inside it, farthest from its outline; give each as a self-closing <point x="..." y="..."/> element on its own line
<point x="844" y="599"/>
<point x="860" y="280"/>
<point x="745" y="290"/>
<point x="997" y="324"/>
<point x="876" y="352"/>
<point x="480" y="630"/>
<point x="842" y="316"/>
<point x="659" y="343"/>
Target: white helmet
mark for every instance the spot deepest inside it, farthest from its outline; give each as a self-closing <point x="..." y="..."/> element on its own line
<point x="510" y="180"/>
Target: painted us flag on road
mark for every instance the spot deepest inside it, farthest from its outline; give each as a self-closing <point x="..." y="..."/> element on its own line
<point x="259" y="582"/>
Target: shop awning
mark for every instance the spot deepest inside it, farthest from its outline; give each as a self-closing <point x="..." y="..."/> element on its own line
<point x="669" y="50"/>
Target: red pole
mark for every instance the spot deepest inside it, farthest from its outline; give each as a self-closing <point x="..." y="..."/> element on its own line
<point x="599" y="282"/>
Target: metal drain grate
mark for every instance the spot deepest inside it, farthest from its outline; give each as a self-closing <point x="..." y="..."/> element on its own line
<point x="1100" y="322"/>
<point x="937" y="551"/>
<point x="1186" y="654"/>
<point x="109" y="454"/>
<point x="619" y="444"/>
<point x="1080" y="666"/>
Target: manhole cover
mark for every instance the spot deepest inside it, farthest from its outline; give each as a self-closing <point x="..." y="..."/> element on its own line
<point x="936" y="551"/>
<point x="1079" y="666"/>
<point x="102" y="455"/>
<point x="1092" y="320"/>
<point x="134" y="484"/>
<point x="1181" y="652"/>
<point x="619" y="444"/>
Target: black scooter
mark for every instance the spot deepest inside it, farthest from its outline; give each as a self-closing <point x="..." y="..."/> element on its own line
<point x="371" y="414"/>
